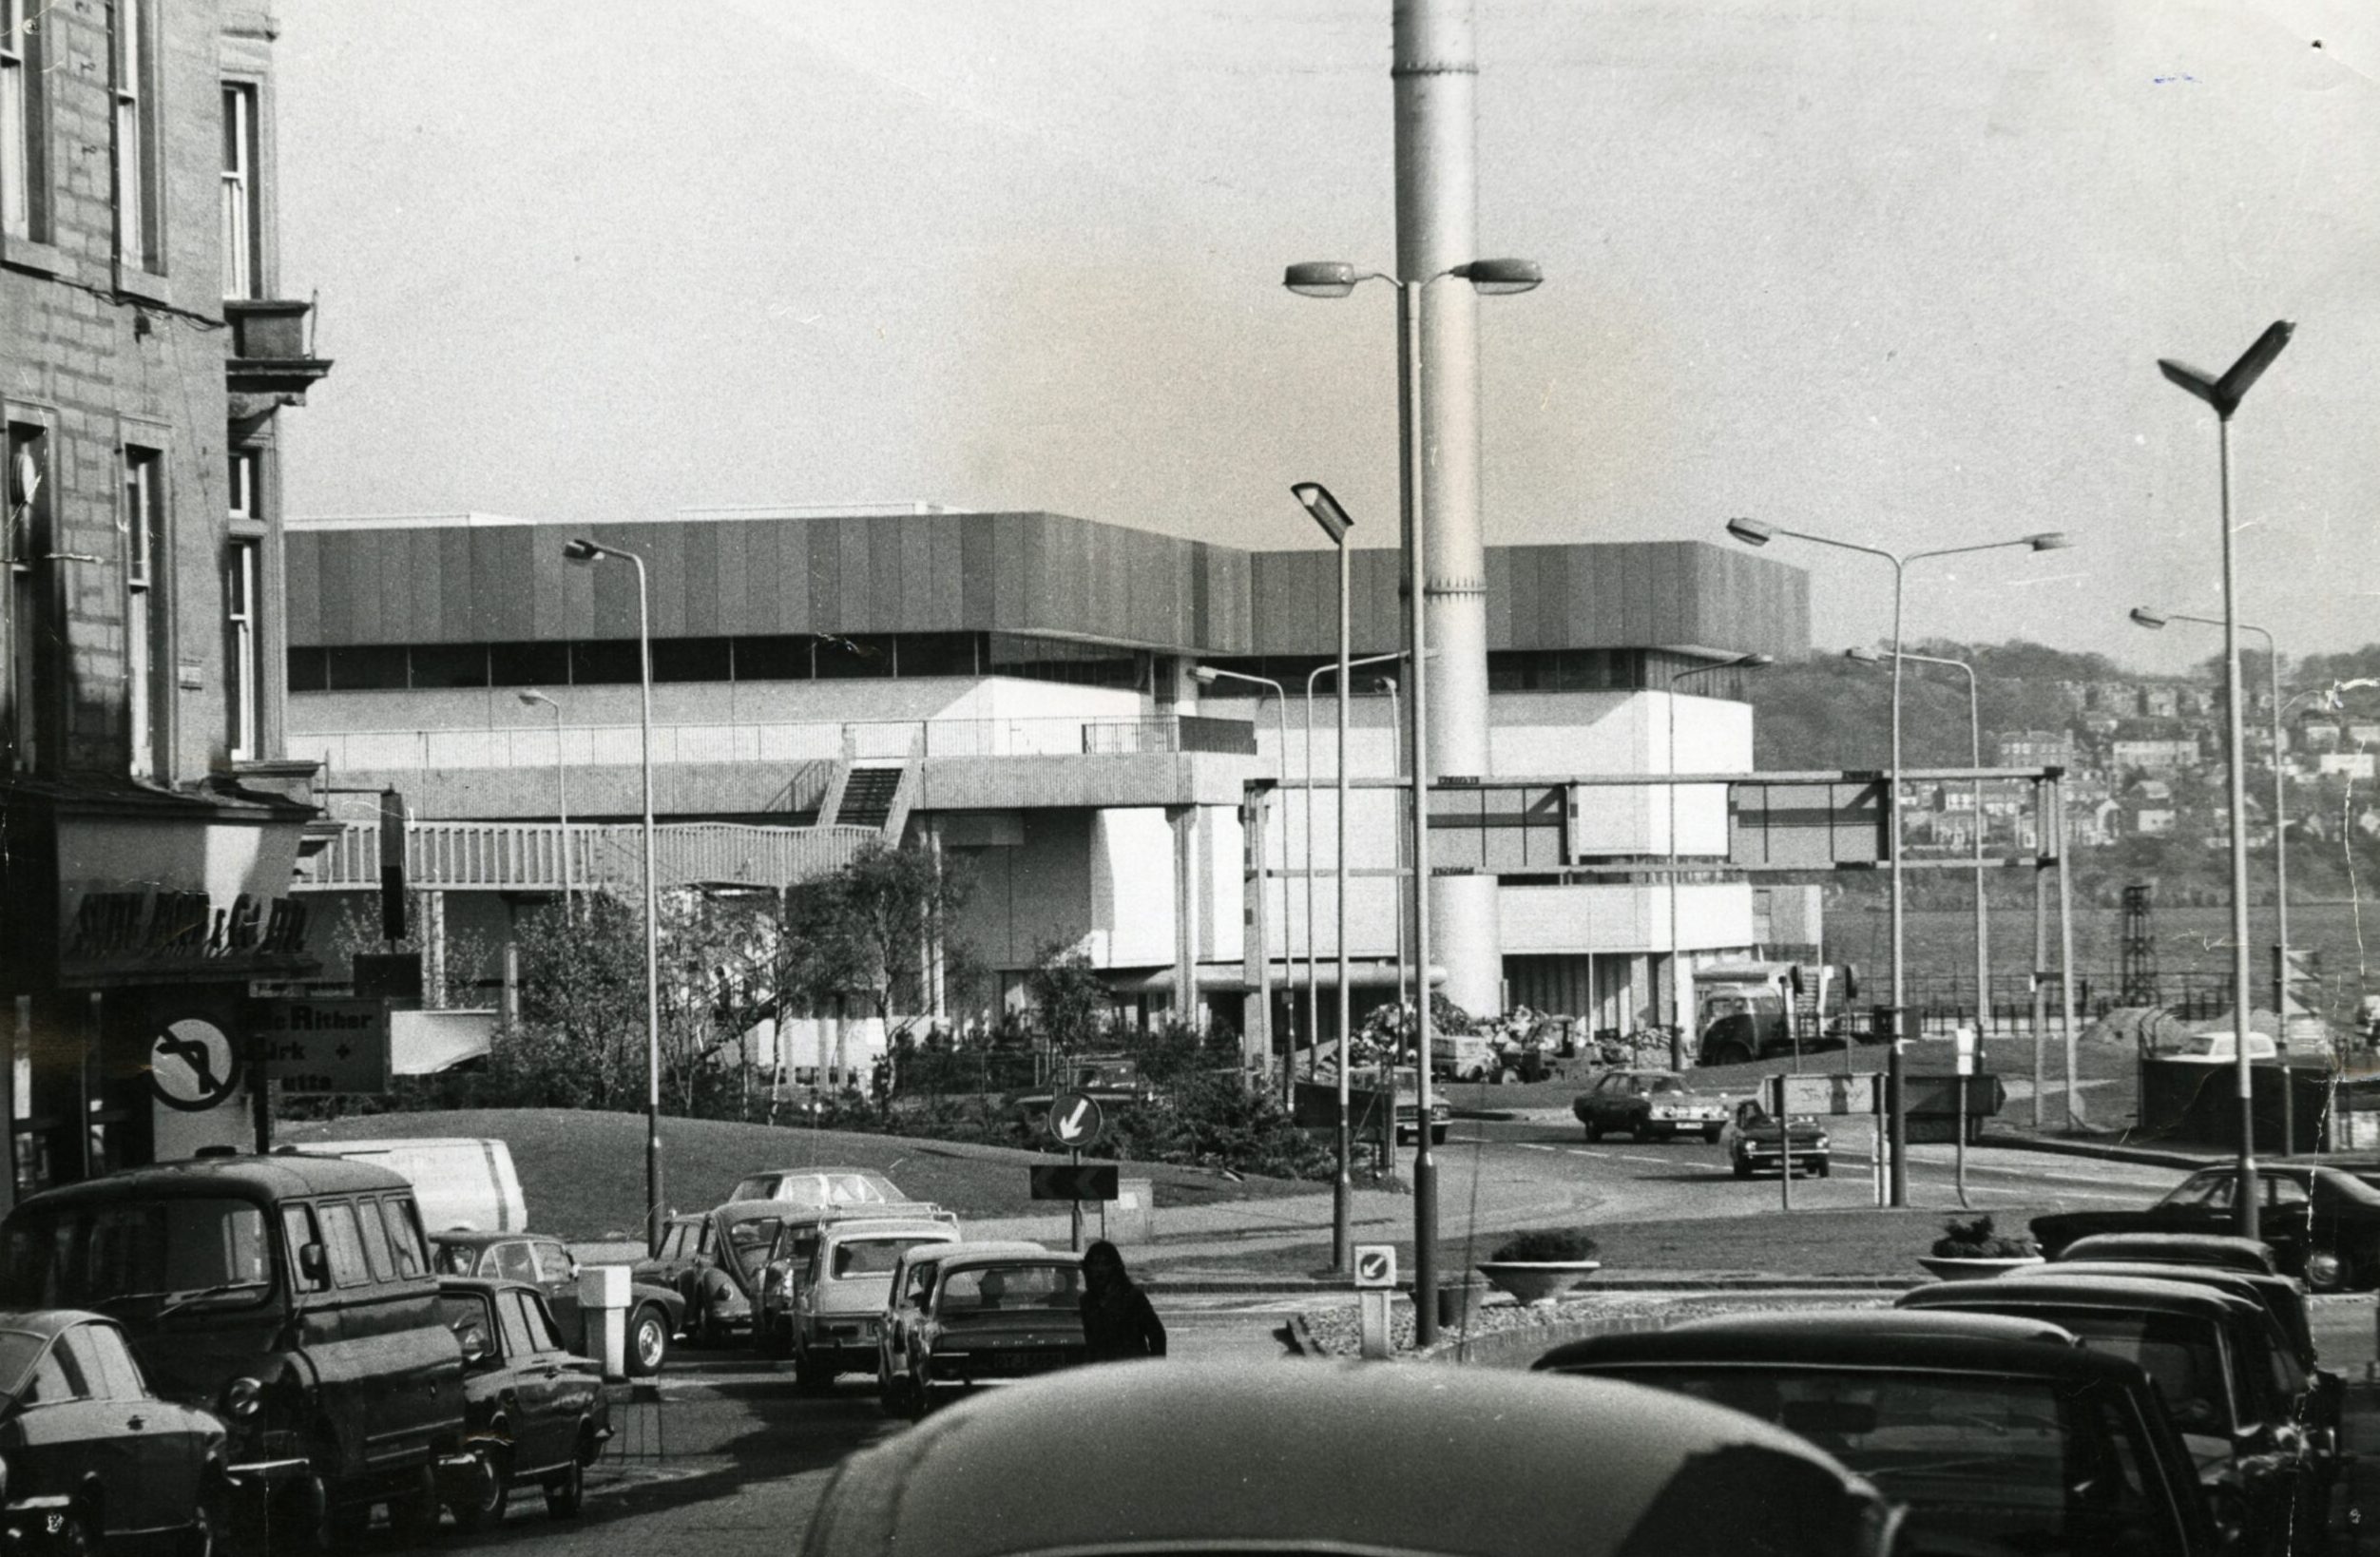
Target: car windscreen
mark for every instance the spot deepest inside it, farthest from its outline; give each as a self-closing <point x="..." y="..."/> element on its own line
<point x="874" y="1255"/>
<point x="749" y="1241"/>
<point x="133" y="1257"/>
<point x="975" y="1289"/>
<point x="1986" y="1465"/>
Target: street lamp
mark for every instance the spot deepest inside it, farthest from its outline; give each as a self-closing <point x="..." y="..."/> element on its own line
<point x="561" y="791"/>
<point x="1208" y="676"/>
<point x="2142" y="616"/>
<point x="1679" y="1010"/>
<point x="2224" y="394"/>
<point x="1336" y="279"/>
<point x="1975" y="757"/>
<point x="587" y="552"/>
<point x="1396" y="764"/>
<point x="1752" y="532"/>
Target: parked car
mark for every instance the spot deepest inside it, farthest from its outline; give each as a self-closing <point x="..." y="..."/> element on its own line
<point x="2227" y="1377"/>
<point x="655" y="1312"/>
<point x="459" y="1181"/>
<point x="538" y="1416"/>
<point x="2322" y="1222"/>
<point x="714" y="1262"/>
<point x="91" y="1456"/>
<point x="2221" y="1250"/>
<point x="818" y="1186"/>
<point x="290" y="1295"/>
<point x="675" y="1264"/>
<point x="982" y="1314"/>
<point x="1998" y="1437"/>
<point x="1648" y="1105"/>
<point x="1755" y="1142"/>
<point x="824" y="1292"/>
<point x="1348" y="1457"/>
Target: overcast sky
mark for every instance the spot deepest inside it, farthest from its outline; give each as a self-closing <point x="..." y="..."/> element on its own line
<point x="1894" y="272"/>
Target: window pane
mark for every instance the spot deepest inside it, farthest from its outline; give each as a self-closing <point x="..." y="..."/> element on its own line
<point x="773" y="659"/>
<point x="528" y="664"/>
<point x="309" y="670"/>
<point x="847" y="659"/>
<point x="404" y="1230"/>
<point x="296" y="1232"/>
<point x="118" y="1375"/>
<point x="690" y="660"/>
<point x="366" y="669"/>
<point x="345" y="1241"/>
<point x="935" y="654"/>
<point x="605" y="662"/>
<point x="512" y="1262"/>
<point x="518" y="1340"/>
<point x="449" y="664"/>
<point x="376" y="1242"/>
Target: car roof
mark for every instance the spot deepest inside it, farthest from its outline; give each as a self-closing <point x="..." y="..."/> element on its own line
<point x="1321" y="1456"/>
<point x="2245" y="1283"/>
<point x="2023" y="1350"/>
<point x="747" y="1210"/>
<point x="271" y="1178"/>
<point x="2154" y="1295"/>
<point x="475" y="1237"/>
<point x="1903" y="1322"/>
<point x="879" y="1226"/>
<point x="485" y="1286"/>
<point x="2221" y="1250"/>
<point x="965" y="1252"/>
<point x="47" y="1322"/>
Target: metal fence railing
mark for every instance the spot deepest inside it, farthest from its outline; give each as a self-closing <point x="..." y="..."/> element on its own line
<point x="528" y="856"/>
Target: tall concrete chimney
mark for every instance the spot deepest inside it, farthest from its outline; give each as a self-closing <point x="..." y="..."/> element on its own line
<point x="1436" y="72"/>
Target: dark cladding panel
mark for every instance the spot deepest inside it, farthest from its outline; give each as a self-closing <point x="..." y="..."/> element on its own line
<point x="615" y="587"/>
<point x="550" y="595"/>
<point x="1010" y="539"/>
<point x="1507" y="572"/>
<point x="663" y="547"/>
<point x="857" y="575"/>
<point x="979" y="572"/>
<point x="364" y="564"/>
<point x="302" y="608"/>
<point x="914" y="606"/>
<point x="700" y="575"/>
<point x="734" y="544"/>
<point x="826" y="578"/>
<point x="1550" y="566"/>
<point x="797" y="545"/>
<point x="1379" y="606"/>
<point x="458" y="603"/>
<point x="1671" y="567"/>
<point x="515" y="618"/>
<point x="423" y="612"/>
<point x="758" y="583"/>
<point x="886" y="578"/>
<point x="948" y="592"/>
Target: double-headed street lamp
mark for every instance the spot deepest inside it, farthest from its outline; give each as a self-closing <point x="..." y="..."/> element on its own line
<point x="2224" y="394"/>
<point x="1752" y="533"/>
<point x="562" y="789"/>
<point x="2143" y="616"/>
<point x="1681" y="1003"/>
<point x="1336" y="279"/>
<point x="1208" y="676"/>
<point x="587" y="552"/>
<point x="1975" y="756"/>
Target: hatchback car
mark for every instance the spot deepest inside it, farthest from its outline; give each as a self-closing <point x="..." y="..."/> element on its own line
<point x="655" y="1312"/>
<point x="2001" y="1437"/>
<point x="714" y="1262"/>
<point x="1755" y="1142"/>
<point x="2225" y="1371"/>
<point x="1345" y="1457"/>
<point x="538" y="1414"/>
<point x="1648" y="1105"/>
<point x="975" y="1314"/>
<point x="824" y="1293"/>
<point x="88" y="1455"/>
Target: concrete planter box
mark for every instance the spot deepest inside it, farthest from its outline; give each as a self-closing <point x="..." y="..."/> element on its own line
<point x="1535" y="1280"/>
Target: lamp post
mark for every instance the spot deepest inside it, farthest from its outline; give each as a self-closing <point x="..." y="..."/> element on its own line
<point x="561" y="791"/>
<point x="1680" y="1008"/>
<point x="587" y="552"/>
<point x="1752" y="532"/>
<point x="1975" y="757"/>
<point x="2143" y="616"/>
<point x="1208" y="676"/>
<point x="1336" y="279"/>
<point x="1396" y="764"/>
<point x="2224" y="395"/>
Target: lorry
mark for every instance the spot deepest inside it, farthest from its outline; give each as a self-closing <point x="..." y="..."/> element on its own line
<point x="1755" y="1010"/>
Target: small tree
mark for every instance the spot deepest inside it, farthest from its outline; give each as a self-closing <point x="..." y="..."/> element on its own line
<point x="1069" y="1001"/>
<point x="870" y="931"/>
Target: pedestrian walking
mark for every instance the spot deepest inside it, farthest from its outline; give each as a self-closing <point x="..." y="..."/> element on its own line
<point x="1119" y="1322"/>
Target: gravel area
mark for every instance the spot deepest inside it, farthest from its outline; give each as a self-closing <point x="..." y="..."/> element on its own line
<point x="1338" y="1331"/>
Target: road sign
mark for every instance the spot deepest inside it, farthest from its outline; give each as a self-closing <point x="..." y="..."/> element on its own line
<point x="1828" y="1093"/>
<point x="1075" y="1120"/>
<point x="192" y="1066"/>
<point x="1075" y="1182"/>
<point x="321" y="1047"/>
<point x="1375" y="1267"/>
<point x="1965" y="1057"/>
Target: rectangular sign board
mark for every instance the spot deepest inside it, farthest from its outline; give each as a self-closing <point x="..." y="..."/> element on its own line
<point x="321" y="1047"/>
<point x="1075" y="1182"/>
<point x="1824" y="1094"/>
<point x="1806" y="826"/>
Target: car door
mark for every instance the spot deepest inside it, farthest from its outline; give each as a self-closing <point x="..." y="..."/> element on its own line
<point x="557" y="1278"/>
<point x="169" y="1441"/>
<point x="65" y="1429"/>
<point x="130" y="1440"/>
<point x="535" y="1368"/>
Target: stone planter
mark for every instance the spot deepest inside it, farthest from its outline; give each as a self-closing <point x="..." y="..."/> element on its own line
<point x="1965" y="1268"/>
<point x="1538" y="1280"/>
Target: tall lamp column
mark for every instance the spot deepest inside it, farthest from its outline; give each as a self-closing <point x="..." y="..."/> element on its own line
<point x="587" y="552"/>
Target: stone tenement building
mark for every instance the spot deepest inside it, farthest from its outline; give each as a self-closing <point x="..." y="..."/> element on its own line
<point x="147" y="835"/>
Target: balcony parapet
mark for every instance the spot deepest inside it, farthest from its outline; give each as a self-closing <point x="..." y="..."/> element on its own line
<point x="528" y="856"/>
<point x="269" y="363"/>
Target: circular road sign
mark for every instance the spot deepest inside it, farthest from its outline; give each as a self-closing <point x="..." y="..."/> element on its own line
<point x="191" y="1065"/>
<point x="1075" y="1120"/>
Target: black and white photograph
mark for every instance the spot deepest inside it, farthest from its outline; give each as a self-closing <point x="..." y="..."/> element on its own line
<point x="1077" y="779"/>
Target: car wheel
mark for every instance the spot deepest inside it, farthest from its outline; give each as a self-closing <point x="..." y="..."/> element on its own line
<point x="76" y="1537"/>
<point x="481" y="1507"/>
<point x="648" y="1342"/>
<point x="413" y="1513"/>
<point x="300" y="1517"/>
<point x="920" y="1398"/>
<point x="1709" y="1135"/>
<point x="810" y="1375"/>
<point x="1507" y="1077"/>
<point x="1594" y="1131"/>
<point x="892" y="1391"/>
<point x="1743" y="1169"/>
<point x="712" y="1330"/>
<point x="1825" y="1168"/>
<point x="204" y="1534"/>
<point x="565" y="1491"/>
<point x="350" y="1522"/>
<point x="1437" y="1135"/>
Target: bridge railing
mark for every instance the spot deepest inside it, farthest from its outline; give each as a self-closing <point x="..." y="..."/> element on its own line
<point x="528" y="856"/>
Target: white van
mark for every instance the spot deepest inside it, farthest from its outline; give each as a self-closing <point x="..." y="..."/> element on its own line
<point x="458" y="1181"/>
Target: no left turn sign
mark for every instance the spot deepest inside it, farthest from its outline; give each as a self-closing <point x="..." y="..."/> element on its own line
<point x="1375" y="1266"/>
<point x="191" y="1065"/>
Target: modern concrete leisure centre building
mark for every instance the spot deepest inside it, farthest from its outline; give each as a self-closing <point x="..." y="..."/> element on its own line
<point x="1024" y="690"/>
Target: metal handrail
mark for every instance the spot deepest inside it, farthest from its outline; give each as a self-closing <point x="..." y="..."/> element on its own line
<point x="526" y="857"/>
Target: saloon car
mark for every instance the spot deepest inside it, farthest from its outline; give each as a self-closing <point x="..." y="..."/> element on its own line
<point x="2322" y="1222"/>
<point x="88" y="1455"/>
<point x="818" y="1186"/>
<point x="963" y="1315"/>
<point x="1648" y="1105"/>
<point x="714" y="1262"/>
<point x="1755" y="1142"/>
<point x="824" y="1292"/>
<point x="2221" y="1250"/>
<point x="2001" y="1437"/>
<point x="537" y="1415"/>
<point x="655" y="1312"/>
<point x="1345" y="1457"/>
<point x="2228" y="1376"/>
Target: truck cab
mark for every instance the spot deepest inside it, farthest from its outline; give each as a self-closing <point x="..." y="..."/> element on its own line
<point x="1754" y="1010"/>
